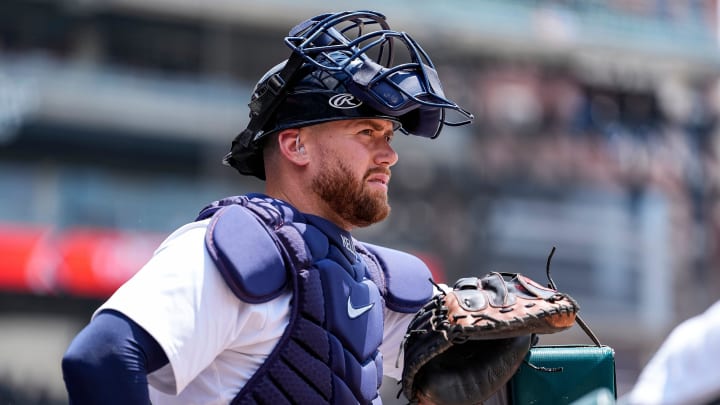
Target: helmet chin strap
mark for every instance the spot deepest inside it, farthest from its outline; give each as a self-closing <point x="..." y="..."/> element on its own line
<point x="264" y="103"/>
<point x="267" y="99"/>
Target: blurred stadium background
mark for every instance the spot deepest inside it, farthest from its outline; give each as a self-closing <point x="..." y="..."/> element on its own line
<point x="596" y="133"/>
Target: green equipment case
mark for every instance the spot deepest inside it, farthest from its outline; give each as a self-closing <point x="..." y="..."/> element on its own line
<point x="563" y="374"/>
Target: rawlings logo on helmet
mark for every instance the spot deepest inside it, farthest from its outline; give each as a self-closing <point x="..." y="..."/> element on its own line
<point x="344" y="101"/>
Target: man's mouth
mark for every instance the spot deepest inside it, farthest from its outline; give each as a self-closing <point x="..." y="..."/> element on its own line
<point x="381" y="177"/>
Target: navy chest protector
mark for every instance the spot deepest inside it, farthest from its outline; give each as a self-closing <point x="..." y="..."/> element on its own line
<point x="329" y="353"/>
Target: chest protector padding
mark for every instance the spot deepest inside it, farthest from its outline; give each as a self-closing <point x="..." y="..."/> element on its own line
<point x="265" y="277"/>
<point x="329" y="353"/>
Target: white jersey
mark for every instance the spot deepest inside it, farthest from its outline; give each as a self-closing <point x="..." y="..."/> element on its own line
<point x="213" y="340"/>
<point x="684" y="370"/>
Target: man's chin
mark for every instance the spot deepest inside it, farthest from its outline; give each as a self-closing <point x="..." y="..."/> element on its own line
<point x="380" y="211"/>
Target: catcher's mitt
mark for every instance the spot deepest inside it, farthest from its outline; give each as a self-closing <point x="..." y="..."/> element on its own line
<point x="465" y="344"/>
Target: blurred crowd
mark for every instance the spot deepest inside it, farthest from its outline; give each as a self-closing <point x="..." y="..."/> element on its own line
<point x="549" y="126"/>
<point x="550" y="130"/>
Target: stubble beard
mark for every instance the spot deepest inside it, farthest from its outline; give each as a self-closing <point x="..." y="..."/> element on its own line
<point x="349" y="197"/>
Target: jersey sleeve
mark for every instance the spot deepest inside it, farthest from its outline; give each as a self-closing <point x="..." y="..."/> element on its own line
<point x="181" y="300"/>
<point x="396" y="324"/>
<point x="682" y="370"/>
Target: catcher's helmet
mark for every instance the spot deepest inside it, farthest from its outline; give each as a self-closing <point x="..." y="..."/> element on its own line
<point x="337" y="71"/>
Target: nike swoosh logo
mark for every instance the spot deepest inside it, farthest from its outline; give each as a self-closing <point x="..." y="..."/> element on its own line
<point x="356" y="312"/>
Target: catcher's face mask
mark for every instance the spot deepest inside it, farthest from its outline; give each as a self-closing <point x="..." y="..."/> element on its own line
<point x="349" y="54"/>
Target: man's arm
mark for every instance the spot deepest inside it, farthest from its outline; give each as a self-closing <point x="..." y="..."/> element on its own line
<point x="109" y="360"/>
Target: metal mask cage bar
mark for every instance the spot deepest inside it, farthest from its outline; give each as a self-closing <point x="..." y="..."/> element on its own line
<point x="317" y="39"/>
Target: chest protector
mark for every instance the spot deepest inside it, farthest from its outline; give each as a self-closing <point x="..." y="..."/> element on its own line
<point x="329" y="353"/>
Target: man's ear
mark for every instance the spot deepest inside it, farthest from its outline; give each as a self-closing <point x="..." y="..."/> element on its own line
<point x="292" y="147"/>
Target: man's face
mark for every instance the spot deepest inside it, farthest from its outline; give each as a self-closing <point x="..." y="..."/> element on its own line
<point x="354" y="169"/>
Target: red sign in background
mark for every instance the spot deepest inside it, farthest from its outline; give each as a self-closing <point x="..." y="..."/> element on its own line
<point x="85" y="262"/>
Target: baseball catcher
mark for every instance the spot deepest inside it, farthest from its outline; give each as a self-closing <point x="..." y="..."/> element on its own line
<point x="468" y="341"/>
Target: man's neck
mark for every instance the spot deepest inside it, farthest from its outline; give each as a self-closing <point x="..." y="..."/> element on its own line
<point x="309" y="203"/>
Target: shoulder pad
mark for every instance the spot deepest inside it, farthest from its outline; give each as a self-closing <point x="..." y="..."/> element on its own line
<point x="246" y="254"/>
<point x="407" y="279"/>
